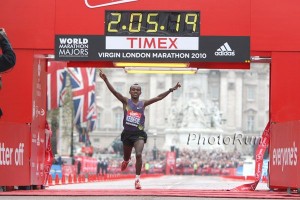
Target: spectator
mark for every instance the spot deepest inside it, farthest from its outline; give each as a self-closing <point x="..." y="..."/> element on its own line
<point x="105" y="166"/>
<point x="195" y="168"/>
<point x="147" y="167"/>
<point x="59" y="160"/>
<point x="78" y="167"/>
<point x="98" y="167"/>
<point x="102" y="166"/>
<point x="8" y="57"/>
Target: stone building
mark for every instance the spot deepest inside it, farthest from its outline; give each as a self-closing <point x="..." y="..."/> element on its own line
<point x="210" y="105"/>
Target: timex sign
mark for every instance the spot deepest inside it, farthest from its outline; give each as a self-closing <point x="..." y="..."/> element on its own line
<point x="152" y="43"/>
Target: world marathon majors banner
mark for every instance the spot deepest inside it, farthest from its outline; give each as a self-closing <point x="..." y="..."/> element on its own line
<point x="152" y="49"/>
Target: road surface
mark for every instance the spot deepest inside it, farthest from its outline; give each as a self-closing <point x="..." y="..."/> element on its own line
<point x="159" y="188"/>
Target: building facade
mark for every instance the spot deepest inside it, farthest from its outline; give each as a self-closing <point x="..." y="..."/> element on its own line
<point x="233" y="104"/>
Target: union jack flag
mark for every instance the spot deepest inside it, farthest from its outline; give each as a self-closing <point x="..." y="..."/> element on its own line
<point x="92" y="122"/>
<point x="83" y="92"/>
<point x="83" y="133"/>
<point x="56" y="84"/>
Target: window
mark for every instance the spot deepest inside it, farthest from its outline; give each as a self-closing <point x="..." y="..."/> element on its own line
<point x="214" y="85"/>
<point x="215" y="92"/>
<point x="250" y="123"/>
<point x="99" y="88"/>
<point x="250" y="93"/>
<point x="145" y="93"/>
<point x="160" y="85"/>
<point x="231" y="86"/>
<point x="119" y="87"/>
<point x="176" y="95"/>
<point x="194" y="93"/>
<point x="98" y="124"/>
<point x="118" y="120"/>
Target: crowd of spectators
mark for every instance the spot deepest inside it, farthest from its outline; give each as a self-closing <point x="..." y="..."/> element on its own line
<point x="210" y="158"/>
<point x="186" y="159"/>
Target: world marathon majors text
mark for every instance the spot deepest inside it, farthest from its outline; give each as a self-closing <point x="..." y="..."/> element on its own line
<point x="238" y="138"/>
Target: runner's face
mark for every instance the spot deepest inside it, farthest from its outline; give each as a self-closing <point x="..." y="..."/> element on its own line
<point x="135" y="92"/>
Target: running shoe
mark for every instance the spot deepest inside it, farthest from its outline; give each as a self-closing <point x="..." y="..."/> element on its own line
<point x="124" y="165"/>
<point x="138" y="185"/>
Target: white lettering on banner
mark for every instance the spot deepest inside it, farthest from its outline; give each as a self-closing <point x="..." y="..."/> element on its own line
<point x="144" y="55"/>
<point x="285" y="156"/>
<point x="10" y="157"/>
<point x="73" y="47"/>
<point x="171" y="55"/>
<point x="73" y="52"/>
<point x="19" y="155"/>
<point x="109" y="55"/>
<point x="38" y="140"/>
<point x="70" y="46"/>
<point x="136" y="55"/>
<point x="152" y="43"/>
<point x="73" y="41"/>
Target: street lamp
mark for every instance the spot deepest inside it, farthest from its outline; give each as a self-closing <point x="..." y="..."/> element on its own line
<point x="154" y="147"/>
<point x="84" y="126"/>
<point x="72" y="141"/>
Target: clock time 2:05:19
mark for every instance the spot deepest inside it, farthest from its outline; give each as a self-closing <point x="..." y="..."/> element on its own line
<point x="151" y="23"/>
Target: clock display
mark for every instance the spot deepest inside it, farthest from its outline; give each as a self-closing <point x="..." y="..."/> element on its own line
<point x="152" y="23"/>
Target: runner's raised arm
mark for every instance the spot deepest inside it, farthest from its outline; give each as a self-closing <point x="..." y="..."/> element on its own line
<point x="162" y="95"/>
<point x="119" y="96"/>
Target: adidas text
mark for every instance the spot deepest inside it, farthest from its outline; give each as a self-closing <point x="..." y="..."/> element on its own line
<point x="224" y="53"/>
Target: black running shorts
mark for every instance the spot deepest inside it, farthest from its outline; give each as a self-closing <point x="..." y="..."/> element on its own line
<point x="130" y="137"/>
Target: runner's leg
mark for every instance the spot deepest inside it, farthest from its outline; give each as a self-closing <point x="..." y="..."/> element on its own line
<point x="138" y="146"/>
<point x="127" y="152"/>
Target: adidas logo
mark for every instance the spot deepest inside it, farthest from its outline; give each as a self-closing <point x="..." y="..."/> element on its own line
<point x="225" y="50"/>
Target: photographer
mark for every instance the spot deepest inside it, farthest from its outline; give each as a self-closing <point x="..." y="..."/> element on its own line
<point x="8" y="57"/>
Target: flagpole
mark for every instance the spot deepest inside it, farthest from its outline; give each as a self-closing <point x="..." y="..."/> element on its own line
<point x="72" y="142"/>
<point x="72" y="123"/>
<point x="72" y="133"/>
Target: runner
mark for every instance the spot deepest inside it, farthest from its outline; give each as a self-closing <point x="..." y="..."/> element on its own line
<point x="133" y="135"/>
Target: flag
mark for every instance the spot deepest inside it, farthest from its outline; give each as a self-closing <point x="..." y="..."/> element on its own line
<point x="56" y="84"/>
<point x="83" y="92"/>
<point x="82" y="131"/>
<point x="92" y="121"/>
<point x="88" y="142"/>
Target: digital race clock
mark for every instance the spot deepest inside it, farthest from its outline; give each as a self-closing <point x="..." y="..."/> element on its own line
<point x="152" y="36"/>
<point x="152" y="23"/>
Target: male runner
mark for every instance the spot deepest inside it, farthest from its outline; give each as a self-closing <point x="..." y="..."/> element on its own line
<point x="133" y="135"/>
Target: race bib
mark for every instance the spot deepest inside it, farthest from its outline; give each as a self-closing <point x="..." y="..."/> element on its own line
<point x="133" y="118"/>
